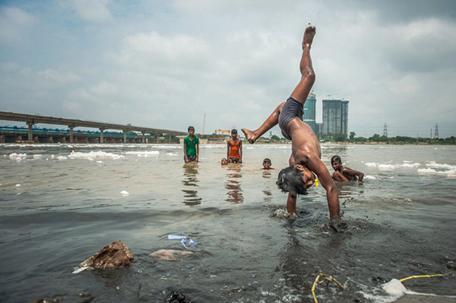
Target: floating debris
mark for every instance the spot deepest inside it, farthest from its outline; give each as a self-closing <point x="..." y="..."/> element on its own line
<point x="170" y="254"/>
<point x="114" y="255"/>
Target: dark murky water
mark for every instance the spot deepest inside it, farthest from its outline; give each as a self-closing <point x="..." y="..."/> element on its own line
<point x="58" y="208"/>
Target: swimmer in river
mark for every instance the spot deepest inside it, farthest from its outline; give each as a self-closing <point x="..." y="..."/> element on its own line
<point x="191" y="146"/>
<point x="224" y="162"/>
<point x="267" y="164"/>
<point x="344" y="174"/>
<point x="305" y="160"/>
<point x="234" y="148"/>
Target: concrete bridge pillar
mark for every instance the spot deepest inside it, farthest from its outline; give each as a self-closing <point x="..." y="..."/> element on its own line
<point x="125" y="136"/>
<point x="101" y="135"/>
<point x="71" y="133"/>
<point x="30" y="131"/>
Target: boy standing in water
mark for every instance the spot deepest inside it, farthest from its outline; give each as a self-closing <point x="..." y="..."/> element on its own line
<point x="191" y="146"/>
<point x="344" y="174"/>
<point x="305" y="159"/>
<point x="234" y="148"/>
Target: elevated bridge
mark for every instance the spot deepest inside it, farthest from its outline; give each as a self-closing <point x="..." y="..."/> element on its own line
<point x="31" y="120"/>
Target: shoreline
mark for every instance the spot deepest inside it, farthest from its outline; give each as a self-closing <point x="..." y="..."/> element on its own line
<point x="223" y="143"/>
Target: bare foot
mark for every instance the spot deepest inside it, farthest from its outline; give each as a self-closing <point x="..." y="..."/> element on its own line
<point x="309" y="34"/>
<point x="249" y="135"/>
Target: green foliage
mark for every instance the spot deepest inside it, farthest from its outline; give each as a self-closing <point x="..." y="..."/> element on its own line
<point x="376" y="138"/>
<point x="275" y="138"/>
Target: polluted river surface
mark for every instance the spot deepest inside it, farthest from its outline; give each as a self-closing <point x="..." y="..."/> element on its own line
<point x="62" y="203"/>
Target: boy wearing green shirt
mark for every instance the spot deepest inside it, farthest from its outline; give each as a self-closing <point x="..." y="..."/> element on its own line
<point x="191" y="146"/>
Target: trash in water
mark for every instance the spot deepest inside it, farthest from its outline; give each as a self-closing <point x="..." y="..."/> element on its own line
<point x="170" y="254"/>
<point x="113" y="255"/>
<point x="188" y="243"/>
<point x="176" y="237"/>
<point x="394" y="288"/>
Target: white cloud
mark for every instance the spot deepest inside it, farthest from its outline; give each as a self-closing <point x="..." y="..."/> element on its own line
<point x="92" y="10"/>
<point x="235" y="60"/>
<point x="13" y="21"/>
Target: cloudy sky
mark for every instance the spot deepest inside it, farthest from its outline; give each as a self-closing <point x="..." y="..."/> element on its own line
<point x="167" y="63"/>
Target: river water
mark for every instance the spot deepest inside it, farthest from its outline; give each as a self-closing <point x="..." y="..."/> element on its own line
<point x="61" y="203"/>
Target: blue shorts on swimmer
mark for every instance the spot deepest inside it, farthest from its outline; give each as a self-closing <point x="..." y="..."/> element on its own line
<point x="292" y="109"/>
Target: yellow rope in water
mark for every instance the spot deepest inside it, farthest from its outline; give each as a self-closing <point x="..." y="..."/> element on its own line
<point x="325" y="278"/>
<point x="421" y="277"/>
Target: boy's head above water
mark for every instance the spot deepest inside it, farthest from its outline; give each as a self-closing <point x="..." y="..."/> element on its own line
<point x="267" y="163"/>
<point x="224" y="161"/>
<point x="295" y="179"/>
<point x="191" y="130"/>
<point x="336" y="162"/>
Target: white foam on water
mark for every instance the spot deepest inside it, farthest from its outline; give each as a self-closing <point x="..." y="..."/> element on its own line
<point x="37" y="156"/>
<point x="17" y="157"/>
<point x="171" y="154"/>
<point x="438" y="169"/>
<point x="62" y="158"/>
<point x="444" y="166"/>
<point x="144" y="154"/>
<point x="18" y="185"/>
<point x="390" y="167"/>
<point x="369" y="177"/>
<point x="167" y="146"/>
<point x="99" y="162"/>
<point x="124" y="193"/>
<point x="410" y="165"/>
<point x="92" y="155"/>
<point x="386" y="167"/>
<point x="210" y="146"/>
<point x="427" y="171"/>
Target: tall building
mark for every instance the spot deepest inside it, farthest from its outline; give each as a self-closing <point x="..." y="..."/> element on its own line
<point x="309" y="112"/>
<point x="309" y="108"/>
<point x="335" y="118"/>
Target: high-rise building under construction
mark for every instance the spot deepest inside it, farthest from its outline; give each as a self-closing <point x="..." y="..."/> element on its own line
<point x="335" y="118"/>
<point x="310" y="113"/>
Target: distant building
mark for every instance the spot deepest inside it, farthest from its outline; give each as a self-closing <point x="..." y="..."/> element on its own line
<point x="309" y="108"/>
<point x="310" y="113"/>
<point x="335" y="118"/>
<point x="223" y="132"/>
